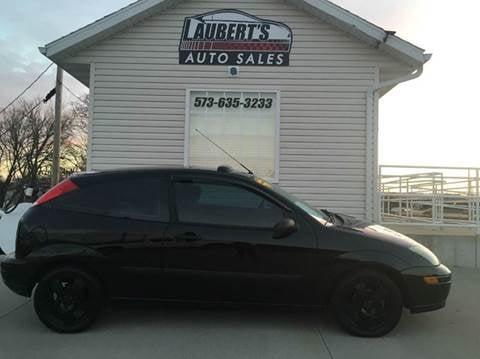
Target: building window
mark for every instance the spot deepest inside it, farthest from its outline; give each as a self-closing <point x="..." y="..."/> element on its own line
<point x="244" y="123"/>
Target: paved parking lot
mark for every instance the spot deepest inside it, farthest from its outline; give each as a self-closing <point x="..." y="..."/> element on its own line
<point x="142" y="330"/>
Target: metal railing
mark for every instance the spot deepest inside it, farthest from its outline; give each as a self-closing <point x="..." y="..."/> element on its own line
<point x="430" y="195"/>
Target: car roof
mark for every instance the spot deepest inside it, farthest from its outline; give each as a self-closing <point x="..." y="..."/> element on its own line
<point x="222" y="172"/>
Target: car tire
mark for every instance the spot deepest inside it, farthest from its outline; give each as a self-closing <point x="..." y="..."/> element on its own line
<point x="368" y="304"/>
<point x="68" y="299"/>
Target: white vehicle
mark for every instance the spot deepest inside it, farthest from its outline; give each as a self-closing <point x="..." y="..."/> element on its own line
<point x="8" y="227"/>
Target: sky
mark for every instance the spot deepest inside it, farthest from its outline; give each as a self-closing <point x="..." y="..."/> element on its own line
<point x="431" y="121"/>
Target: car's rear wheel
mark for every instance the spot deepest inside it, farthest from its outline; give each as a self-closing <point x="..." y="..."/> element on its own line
<point x="68" y="300"/>
<point x="368" y="304"/>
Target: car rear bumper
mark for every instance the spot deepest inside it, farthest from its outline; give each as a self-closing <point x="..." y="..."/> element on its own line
<point x="423" y="297"/>
<point x="17" y="275"/>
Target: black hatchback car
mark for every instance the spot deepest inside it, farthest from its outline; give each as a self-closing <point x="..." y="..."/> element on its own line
<point x="215" y="236"/>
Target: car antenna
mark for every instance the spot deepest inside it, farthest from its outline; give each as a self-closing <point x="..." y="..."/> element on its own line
<point x="224" y="151"/>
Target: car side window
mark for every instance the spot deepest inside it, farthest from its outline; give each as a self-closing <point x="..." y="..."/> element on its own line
<point x="142" y="199"/>
<point x="224" y="204"/>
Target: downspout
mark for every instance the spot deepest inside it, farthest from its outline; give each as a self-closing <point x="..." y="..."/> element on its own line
<point x="372" y="175"/>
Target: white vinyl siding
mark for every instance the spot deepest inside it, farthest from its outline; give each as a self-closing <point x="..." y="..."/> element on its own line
<point x="139" y="106"/>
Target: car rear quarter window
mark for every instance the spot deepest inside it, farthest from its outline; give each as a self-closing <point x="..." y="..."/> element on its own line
<point x="143" y="199"/>
<point x="224" y="204"/>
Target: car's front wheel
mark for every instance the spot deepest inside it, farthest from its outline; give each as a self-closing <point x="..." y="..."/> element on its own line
<point x="368" y="304"/>
<point x="68" y="300"/>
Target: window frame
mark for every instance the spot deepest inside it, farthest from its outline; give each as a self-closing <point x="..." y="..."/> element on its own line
<point x="286" y="211"/>
<point x="187" y="132"/>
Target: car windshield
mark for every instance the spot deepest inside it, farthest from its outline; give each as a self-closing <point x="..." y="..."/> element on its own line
<point x="317" y="214"/>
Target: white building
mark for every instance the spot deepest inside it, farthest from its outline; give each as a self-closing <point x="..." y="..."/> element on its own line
<point x="299" y="105"/>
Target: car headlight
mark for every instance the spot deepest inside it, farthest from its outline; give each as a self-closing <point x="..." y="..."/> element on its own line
<point x="426" y="254"/>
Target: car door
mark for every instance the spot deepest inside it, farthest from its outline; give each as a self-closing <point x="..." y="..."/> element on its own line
<point x="220" y="245"/>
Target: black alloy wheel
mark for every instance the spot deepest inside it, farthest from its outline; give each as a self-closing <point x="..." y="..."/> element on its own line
<point x="68" y="300"/>
<point x="368" y="304"/>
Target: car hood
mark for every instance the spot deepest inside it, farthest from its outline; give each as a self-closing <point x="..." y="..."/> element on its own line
<point x="373" y="230"/>
<point x="371" y="236"/>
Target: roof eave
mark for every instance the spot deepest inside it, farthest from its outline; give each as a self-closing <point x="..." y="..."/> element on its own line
<point x="412" y="53"/>
<point x="102" y="28"/>
<point x="366" y="31"/>
<point x="355" y="25"/>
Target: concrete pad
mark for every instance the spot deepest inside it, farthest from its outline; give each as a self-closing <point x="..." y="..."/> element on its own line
<point x="9" y="301"/>
<point x="140" y="330"/>
<point x="154" y="331"/>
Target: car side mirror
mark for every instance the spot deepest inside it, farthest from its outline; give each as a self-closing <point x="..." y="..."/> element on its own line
<point x="284" y="228"/>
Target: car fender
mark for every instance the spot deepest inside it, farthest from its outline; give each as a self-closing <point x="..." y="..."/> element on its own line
<point x="65" y="250"/>
<point x="378" y="258"/>
<point x="66" y="254"/>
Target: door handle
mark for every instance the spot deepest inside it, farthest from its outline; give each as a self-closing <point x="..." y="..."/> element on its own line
<point x="188" y="236"/>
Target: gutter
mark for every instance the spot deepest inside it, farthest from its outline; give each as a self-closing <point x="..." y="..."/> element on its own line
<point x="392" y="83"/>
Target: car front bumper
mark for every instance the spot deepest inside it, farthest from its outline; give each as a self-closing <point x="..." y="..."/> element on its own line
<point x="424" y="297"/>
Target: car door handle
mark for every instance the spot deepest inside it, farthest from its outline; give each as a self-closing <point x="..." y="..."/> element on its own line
<point x="188" y="236"/>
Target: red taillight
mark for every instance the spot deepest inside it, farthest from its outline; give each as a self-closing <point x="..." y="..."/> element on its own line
<point x="57" y="191"/>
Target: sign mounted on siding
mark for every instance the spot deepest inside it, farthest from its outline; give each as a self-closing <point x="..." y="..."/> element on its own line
<point x="234" y="38"/>
<point x="246" y="123"/>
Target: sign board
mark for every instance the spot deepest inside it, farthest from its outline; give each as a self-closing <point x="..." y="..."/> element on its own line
<point x="234" y="38"/>
<point x="237" y="102"/>
<point x="245" y="123"/>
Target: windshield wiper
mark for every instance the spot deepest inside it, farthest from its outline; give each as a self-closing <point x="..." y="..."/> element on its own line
<point x="333" y="216"/>
<point x="330" y="215"/>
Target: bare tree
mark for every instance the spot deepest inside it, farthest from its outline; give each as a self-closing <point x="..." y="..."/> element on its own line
<point x="74" y="152"/>
<point x="26" y="146"/>
<point x="14" y="135"/>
